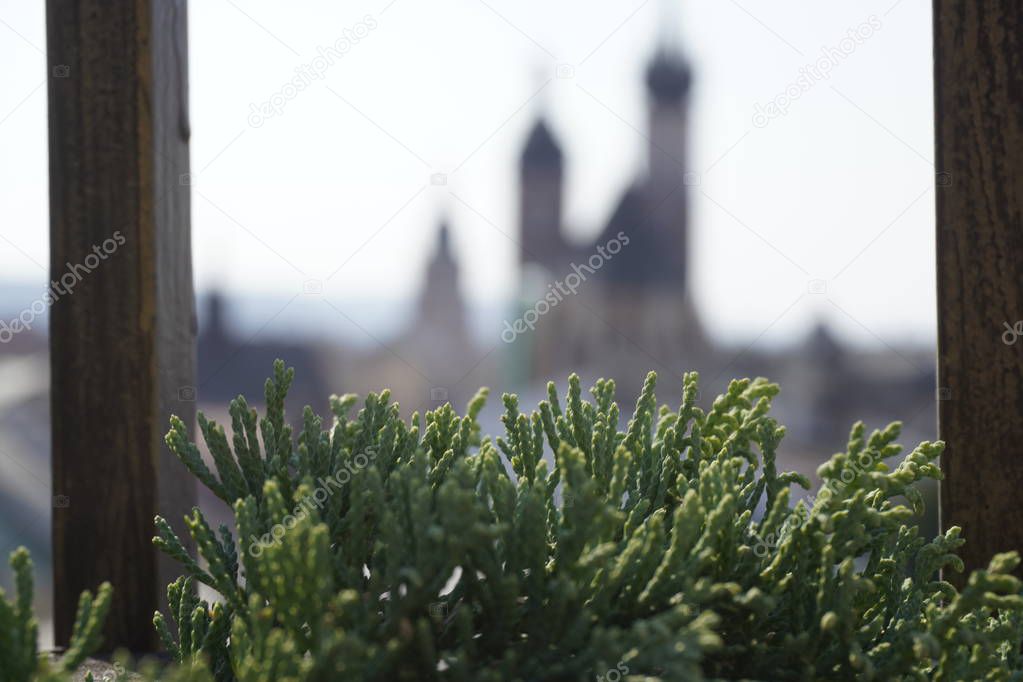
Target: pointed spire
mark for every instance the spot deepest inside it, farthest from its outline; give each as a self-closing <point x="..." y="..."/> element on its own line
<point x="541" y="148"/>
<point x="440" y="301"/>
<point x="443" y="239"/>
<point x="668" y="76"/>
<point x="822" y="346"/>
<point x="215" y="318"/>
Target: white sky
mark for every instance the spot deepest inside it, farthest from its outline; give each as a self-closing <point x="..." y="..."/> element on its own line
<point x="445" y="85"/>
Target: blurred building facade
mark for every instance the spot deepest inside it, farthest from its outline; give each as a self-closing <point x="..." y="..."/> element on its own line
<point x="617" y="305"/>
<point x="635" y="308"/>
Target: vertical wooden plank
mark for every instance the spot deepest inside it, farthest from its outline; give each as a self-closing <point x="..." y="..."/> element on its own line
<point x="978" y="84"/>
<point x="122" y="323"/>
<point x="177" y="328"/>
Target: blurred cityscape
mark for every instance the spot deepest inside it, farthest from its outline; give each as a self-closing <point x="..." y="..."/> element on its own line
<point x="618" y="305"/>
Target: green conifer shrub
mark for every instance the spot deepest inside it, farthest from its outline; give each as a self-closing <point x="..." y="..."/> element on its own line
<point x="375" y="548"/>
<point x="20" y="659"/>
<point x="379" y="549"/>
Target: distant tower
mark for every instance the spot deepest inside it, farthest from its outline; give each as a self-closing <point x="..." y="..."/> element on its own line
<point x="440" y="304"/>
<point x="540" y="195"/>
<point x="215" y="326"/>
<point x="437" y="344"/>
<point x="668" y="79"/>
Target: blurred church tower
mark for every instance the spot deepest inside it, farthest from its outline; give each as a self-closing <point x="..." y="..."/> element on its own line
<point x="636" y="309"/>
<point x="668" y="78"/>
<point x="440" y="314"/>
<point x="541" y="182"/>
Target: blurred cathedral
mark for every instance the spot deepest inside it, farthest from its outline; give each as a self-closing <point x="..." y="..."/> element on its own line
<point x="638" y="312"/>
<point x="635" y="311"/>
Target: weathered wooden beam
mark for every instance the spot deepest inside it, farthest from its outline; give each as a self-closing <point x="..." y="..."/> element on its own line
<point x="978" y="108"/>
<point x="122" y="325"/>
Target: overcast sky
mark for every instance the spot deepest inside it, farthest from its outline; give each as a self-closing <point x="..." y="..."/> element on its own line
<point x="336" y="185"/>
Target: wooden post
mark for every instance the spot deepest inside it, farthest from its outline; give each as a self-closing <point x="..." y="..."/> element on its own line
<point x="978" y="106"/>
<point x="122" y="325"/>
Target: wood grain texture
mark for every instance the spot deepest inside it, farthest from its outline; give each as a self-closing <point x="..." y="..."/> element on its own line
<point x="978" y="74"/>
<point x="122" y="341"/>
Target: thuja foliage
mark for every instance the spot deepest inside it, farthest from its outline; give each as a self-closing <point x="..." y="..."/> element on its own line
<point x="374" y="548"/>
<point x="668" y="550"/>
<point x="20" y="659"/>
